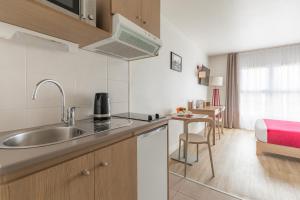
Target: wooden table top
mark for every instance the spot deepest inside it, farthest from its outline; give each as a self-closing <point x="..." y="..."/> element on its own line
<point x="187" y="118"/>
<point x="209" y="108"/>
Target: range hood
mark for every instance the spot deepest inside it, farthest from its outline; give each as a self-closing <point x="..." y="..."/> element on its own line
<point x="128" y="41"/>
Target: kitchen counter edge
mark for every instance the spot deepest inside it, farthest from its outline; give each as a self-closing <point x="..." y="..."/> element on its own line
<point x="88" y="144"/>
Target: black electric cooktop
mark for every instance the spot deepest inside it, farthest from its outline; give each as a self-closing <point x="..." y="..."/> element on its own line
<point x="138" y="116"/>
<point x="98" y="126"/>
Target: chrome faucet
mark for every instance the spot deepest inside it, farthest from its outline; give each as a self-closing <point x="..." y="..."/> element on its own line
<point x="70" y="118"/>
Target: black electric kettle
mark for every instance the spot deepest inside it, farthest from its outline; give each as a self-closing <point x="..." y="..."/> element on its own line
<point x="102" y="107"/>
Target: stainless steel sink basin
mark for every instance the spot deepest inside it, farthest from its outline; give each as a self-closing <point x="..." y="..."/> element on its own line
<point x="42" y="137"/>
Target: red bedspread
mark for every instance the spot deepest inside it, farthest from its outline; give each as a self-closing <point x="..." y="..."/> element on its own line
<point x="284" y="133"/>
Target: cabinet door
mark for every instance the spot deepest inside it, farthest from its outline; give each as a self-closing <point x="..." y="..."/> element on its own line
<point x="151" y="16"/>
<point x="72" y="180"/>
<point x="116" y="171"/>
<point x="152" y="154"/>
<point x="131" y="9"/>
<point x="4" y="195"/>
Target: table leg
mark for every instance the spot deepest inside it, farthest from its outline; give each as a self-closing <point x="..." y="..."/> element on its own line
<point x="214" y="129"/>
<point x="223" y="122"/>
<point x="186" y="147"/>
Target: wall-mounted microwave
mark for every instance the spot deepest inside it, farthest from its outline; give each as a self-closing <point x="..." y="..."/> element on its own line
<point x="84" y="10"/>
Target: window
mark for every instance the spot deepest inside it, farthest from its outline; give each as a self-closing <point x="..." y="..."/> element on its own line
<point x="269" y="85"/>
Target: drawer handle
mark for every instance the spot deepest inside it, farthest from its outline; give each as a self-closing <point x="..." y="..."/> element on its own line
<point x="144" y="22"/>
<point x="103" y="164"/>
<point x="85" y="172"/>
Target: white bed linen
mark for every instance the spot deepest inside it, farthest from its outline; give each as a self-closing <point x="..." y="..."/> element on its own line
<point x="261" y="130"/>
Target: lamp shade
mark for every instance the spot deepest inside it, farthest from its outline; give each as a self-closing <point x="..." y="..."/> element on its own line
<point x="216" y="81"/>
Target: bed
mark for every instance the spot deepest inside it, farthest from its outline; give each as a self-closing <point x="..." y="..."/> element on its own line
<point x="278" y="137"/>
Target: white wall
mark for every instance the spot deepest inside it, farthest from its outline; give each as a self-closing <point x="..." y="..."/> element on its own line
<point x="218" y="67"/>
<point x="82" y="74"/>
<point x="155" y="88"/>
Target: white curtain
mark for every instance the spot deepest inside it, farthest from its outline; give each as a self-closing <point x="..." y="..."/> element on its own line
<point x="269" y="85"/>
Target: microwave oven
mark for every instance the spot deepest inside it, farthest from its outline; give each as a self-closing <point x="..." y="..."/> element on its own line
<point x="84" y="10"/>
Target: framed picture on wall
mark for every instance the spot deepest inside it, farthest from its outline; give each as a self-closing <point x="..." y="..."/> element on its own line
<point x="176" y="62"/>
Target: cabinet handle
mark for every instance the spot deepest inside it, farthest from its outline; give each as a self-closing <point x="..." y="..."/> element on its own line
<point x="144" y="22"/>
<point x="85" y="172"/>
<point x="103" y="164"/>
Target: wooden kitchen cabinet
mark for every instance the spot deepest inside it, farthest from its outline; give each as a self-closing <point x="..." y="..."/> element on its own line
<point x="151" y="16"/>
<point x="72" y="180"/>
<point x="116" y="171"/>
<point x="106" y="174"/>
<point x="32" y="15"/>
<point x="131" y="9"/>
<point x="145" y="13"/>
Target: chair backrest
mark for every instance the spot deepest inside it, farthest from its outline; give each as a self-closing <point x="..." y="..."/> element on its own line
<point x="205" y="120"/>
<point x="223" y="108"/>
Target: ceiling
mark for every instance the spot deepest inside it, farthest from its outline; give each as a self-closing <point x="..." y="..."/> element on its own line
<point x="223" y="26"/>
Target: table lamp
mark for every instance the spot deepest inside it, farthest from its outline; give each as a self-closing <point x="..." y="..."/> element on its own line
<point x="216" y="82"/>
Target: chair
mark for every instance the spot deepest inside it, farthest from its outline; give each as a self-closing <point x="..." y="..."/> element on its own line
<point x="220" y="120"/>
<point x="219" y="123"/>
<point x="198" y="140"/>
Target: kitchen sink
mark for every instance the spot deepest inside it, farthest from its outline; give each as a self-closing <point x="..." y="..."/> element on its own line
<point x="42" y="137"/>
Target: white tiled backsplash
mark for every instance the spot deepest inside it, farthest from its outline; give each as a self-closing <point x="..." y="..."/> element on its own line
<point x="82" y="74"/>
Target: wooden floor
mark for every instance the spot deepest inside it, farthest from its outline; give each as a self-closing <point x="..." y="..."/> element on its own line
<point x="240" y="172"/>
<point x="183" y="189"/>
